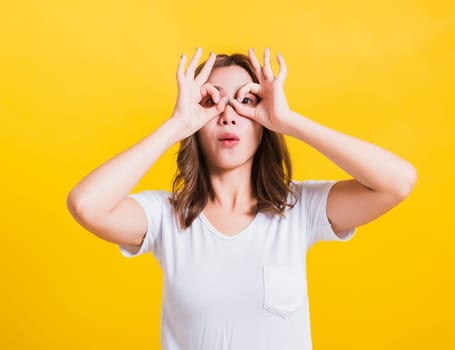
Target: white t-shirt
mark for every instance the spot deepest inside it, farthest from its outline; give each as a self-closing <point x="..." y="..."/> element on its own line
<point x="241" y="292"/>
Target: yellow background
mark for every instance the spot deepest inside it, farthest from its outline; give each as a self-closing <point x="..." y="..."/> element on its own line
<point x="81" y="81"/>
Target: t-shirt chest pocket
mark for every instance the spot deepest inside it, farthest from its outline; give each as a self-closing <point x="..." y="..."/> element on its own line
<point x="284" y="289"/>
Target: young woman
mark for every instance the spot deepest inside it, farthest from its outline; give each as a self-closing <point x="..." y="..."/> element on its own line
<point x="232" y="237"/>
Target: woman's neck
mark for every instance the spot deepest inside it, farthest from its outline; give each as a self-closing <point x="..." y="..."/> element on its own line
<point x="232" y="190"/>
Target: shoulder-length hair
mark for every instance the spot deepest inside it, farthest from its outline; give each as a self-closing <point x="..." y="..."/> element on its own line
<point x="271" y="172"/>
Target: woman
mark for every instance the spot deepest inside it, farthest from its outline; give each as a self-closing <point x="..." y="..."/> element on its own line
<point x="232" y="237"/>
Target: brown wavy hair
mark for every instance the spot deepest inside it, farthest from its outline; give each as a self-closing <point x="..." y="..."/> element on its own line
<point x="271" y="172"/>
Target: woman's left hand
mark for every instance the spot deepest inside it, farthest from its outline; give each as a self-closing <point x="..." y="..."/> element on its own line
<point x="272" y="111"/>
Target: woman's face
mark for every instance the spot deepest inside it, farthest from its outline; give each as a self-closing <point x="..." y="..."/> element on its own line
<point x="229" y="140"/>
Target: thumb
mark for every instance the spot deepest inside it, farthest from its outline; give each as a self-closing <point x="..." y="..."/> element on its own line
<point x="217" y="109"/>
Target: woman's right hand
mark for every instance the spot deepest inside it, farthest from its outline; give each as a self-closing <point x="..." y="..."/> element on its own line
<point x="189" y="113"/>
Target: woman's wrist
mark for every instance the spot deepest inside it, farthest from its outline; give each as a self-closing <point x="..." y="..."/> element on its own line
<point x="174" y="129"/>
<point x="288" y="122"/>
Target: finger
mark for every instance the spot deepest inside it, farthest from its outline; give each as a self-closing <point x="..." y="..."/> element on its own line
<point x="217" y="109"/>
<point x="267" y="69"/>
<point x="205" y="71"/>
<point x="253" y="88"/>
<point x="283" y="68"/>
<point x="181" y="69"/>
<point x="209" y="89"/>
<point x="193" y="63"/>
<point x="255" y="63"/>
<point x="243" y="110"/>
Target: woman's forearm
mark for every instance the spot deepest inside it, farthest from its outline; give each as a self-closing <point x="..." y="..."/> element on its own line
<point x="102" y="190"/>
<point x="371" y="165"/>
<point x="106" y="186"/>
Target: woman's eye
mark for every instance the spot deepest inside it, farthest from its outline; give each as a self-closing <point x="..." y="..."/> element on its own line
<point x="247" y="100"/>
<point x="208" y="102"/>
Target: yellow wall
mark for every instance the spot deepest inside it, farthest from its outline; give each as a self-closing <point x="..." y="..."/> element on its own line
<point x="81" y="81"/>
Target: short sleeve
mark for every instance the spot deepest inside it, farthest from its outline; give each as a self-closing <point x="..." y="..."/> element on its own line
<point x="313" y="196"/>
<point x="152" y="203"/>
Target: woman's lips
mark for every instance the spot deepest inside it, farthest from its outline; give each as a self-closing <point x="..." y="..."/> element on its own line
<point x="228" y="136"/>
<point x="229" y="139"/>
<point x="229" y="143"/>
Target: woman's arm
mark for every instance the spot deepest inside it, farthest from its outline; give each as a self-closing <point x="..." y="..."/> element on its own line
<point x="381" y="179"/>
<point x="99" y="201"/>
<point x="104" y="188"/>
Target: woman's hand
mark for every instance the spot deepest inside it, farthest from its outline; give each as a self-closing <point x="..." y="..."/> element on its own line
<point x="272" y="111"/>
<point x="188" y="112"/>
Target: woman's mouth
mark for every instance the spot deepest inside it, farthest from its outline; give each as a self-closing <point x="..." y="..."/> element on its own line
<point x="229" y="139"/>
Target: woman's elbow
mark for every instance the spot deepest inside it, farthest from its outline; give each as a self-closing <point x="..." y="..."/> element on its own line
<point x="406" y="184"/>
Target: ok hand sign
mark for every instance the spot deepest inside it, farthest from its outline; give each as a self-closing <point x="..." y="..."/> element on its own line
<point x="273" y="108"/>
<point x="190" y="115"/>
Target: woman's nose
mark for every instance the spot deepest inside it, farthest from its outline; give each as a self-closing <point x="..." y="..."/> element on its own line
<point x="228" y="116"/>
